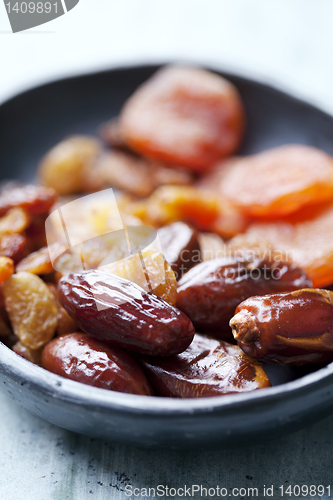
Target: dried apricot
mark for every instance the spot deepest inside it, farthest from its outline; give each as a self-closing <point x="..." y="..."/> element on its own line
<point x="308" y="243"/>
<point x="82" y="358"/>
<point x="32" y="309"/>
<point x="184" y="116"/>
<point x="276" y="182"/>
<point x="188" y="204"/>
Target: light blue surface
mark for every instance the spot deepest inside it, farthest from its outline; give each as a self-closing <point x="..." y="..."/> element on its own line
<point x="40" y="461"/>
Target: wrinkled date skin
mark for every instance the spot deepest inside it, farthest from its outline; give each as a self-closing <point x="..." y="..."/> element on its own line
<point x="180" y="247"/>
<point x="208" y="367"/>
<point x="210" y="292"/>
<point x="124" y="314"/>
<point x="289" y="328"/>
<point x="79" y="357"/>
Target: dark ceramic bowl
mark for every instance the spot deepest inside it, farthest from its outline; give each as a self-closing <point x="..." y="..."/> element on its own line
<point x="34" y="121"/>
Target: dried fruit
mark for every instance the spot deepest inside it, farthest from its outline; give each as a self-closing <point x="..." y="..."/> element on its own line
<point x="32" y="355"/>
<point x="180" y="246"/>
<point x="5" y="330"/>
<point x="31" y="308"/>
<point x="66" y="167"/>
<point x="276" y="182"/>
<point x="34" y="199"/>
<point x="38" y="262"/>
<point x="208" y="367"/>
<point x="306" y="240"/>
<point x="211" y="246"/>
<point x="79" y="357"/>
<point x="135" y="175"/>
<point x="184" y="116"/>
<point x="188" y="204"/>
<point x="149" y="270"/>
<point x="288" y="328"/>
<point x="65" y="324"/>
<point x="16" y="220"/>
<point x="6" y="268"/>
<point x="123" y="314"/>
<point x="14" y="246"/>
<point x="210" y="292"/>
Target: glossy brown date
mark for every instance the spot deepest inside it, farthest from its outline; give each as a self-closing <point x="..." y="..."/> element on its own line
<point x="79" y="357"/>
<point x="180" y="246"/>
<point x="210" y="292"/>
<point x="289" y="328"/>
<point x="208" y="367"/>
<point x="123" y="314"/>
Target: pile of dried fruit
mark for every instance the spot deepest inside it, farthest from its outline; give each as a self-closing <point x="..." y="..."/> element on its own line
<point x="242" y="243"/>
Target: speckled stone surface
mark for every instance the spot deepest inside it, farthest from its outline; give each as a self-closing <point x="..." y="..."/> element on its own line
<point x="41" y="461"/>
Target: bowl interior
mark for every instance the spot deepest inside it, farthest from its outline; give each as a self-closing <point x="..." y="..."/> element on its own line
<point x="32" y="122"/>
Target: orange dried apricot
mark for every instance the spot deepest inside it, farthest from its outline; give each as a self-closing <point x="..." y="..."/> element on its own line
<point x="276" y="182"/>
<point x="31" y="308"/>
<point x="307" y="242"/>
<point x="184" y="116"/>
<point x="173" y="203"/>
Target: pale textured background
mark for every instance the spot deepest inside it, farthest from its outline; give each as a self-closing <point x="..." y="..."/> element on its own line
<point x="287" y="42"/>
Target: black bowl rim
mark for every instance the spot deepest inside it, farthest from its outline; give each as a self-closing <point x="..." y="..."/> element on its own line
<point x="37" y="378"/>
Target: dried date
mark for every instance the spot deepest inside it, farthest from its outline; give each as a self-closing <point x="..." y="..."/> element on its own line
<point x="289" y="328"/>
<point x="208" y="367"/>
<point x="209" y="293"/>
<point x="124" y="314"/>
<point x="82" y="358"/>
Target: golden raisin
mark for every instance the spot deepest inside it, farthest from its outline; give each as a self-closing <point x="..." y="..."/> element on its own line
<point x="66" y="167"/>
<point x="173" y="203"/>
<point x="38" y="262"/>
<point x="32" y="309"/>
<point x="32" y="355"/>
<point x="149" y="270"/>
<point x="16" y="220"/>
<point x="6" y="268"/>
